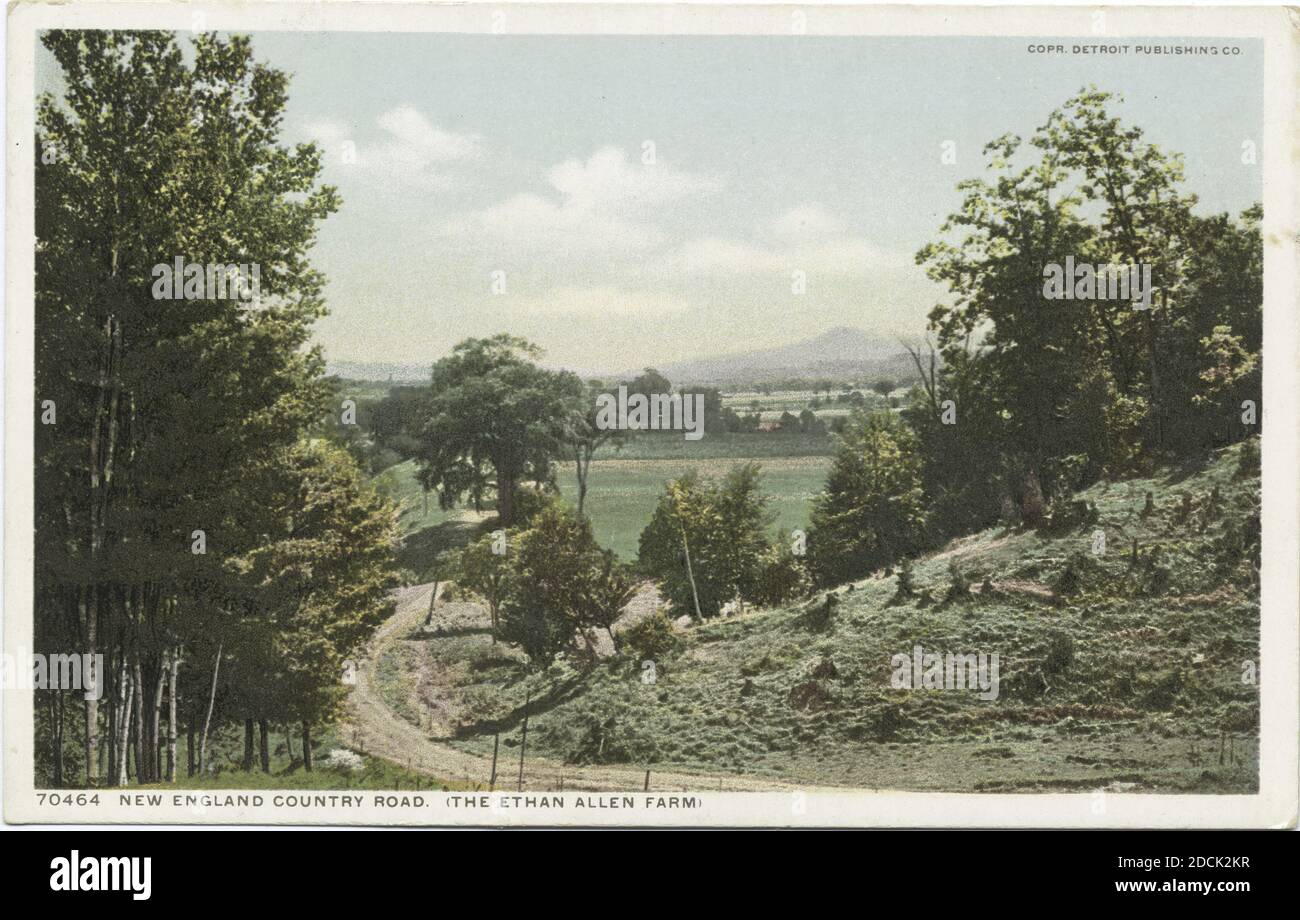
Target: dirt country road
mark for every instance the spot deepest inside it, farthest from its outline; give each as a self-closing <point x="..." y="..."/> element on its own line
<point x="375" y="729"/>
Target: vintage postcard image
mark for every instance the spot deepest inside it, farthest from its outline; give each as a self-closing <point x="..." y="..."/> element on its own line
<point x="650" y="415"/>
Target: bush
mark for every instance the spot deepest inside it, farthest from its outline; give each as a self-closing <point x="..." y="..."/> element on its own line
<point x="872" y="511"/>
<point x="652" y="639"/>
<point x="906" y="580"/>
<point x="1060" y="654"/>
<point x="1070" y="580"/>
<point x="529" y="503"/>
<point x="1067" y="515"/>
<point x="781" y="576"/>
<point x="1248" y="459"/>
<point x="958" y="583"/>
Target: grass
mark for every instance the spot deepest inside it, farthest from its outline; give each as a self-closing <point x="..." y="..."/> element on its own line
<point x="1115" y="673"/>
<point x="622" y="493"/>
<point x="732" y="445"/>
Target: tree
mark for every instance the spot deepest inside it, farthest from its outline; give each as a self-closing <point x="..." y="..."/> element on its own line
<point x="583" y="437"/>
<point x="323" y="578"/>
<point x="705" y="542"/>
<point x="610" y="586"/>
<point x="809" y="423"/>
<point x="552" y="563"/>
<point x="558" y="583"/>
<point x="1093" y="384"/>
<point x="487" y="573"/>
<point x="872" y="510"/>
<point x="396" y="420"/>
<point x="496" y="419"/>
<point x="162" y="407"/>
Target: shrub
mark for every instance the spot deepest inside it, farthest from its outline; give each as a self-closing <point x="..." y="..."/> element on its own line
<point x="781" y="576"/>
<point x="1248" y="459"/>
<point x="1060" y="653"/>
<point x="958" y="583"/>
<point x="1070" y="580"/>
<point x="652" y="639"/>
<point x="872" y="511"/>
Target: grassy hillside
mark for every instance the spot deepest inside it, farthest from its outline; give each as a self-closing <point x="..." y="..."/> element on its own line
<point x="1123" y="672"/>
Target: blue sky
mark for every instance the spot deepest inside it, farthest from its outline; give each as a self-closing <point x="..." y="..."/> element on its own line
<point x="458" y="156"/>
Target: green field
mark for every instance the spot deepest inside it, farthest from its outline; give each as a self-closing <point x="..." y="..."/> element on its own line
<point x="731" y="445"/>
<point x="622" y="494"/>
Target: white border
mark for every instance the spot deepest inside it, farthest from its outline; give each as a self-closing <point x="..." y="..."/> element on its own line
<point x="1279" y="28"/>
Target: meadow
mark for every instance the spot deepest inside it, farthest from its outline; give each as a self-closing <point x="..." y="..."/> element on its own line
<point x="623" y="487"/>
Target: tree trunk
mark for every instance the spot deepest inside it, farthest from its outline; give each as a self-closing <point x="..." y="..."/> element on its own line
<point x="523" y="741"/>
<point x="433" y="599"/>
<point x="207" y="721"/>
<point x="306" y="746"/>
<point x="155" y="723"/>
<point x="172" y="683"/>
<point x="141" y="750"/>
<point x="58" y="738"/>
<point x="92" y="705"/>
<point x="263" y="737"/>
<point x="189" y="748"/>
<point x="505" y="499"/>
<point x="583" y="469"/>
<point x="101" y="477"/>
<point x="126" y="698"/>
<point x="288" y="743"/>
<point x="247" y="765"/>
<point x="690" y="573"/>
<point x="110" y="696"/>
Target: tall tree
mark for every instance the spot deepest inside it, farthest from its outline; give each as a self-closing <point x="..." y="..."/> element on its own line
<point x="496" y="419"/>
<point x="583" y="437"/>
<point x="160" y="406"/>
<point x="706" y="540"/>
<point x="323" y="578"/>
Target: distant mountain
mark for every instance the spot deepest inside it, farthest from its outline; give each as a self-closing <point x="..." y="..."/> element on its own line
<point x="842" y="352"/>
<point x="379" y="371"/>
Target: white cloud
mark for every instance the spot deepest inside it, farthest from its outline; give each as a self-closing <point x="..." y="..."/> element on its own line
<point x="602" y="301"/>
<point x="532" y="223"/>
<point x="608" y="182"/>
<point x="807" y="238"/>
<point x="605" y="204"/>
<point x="839" y="256"/>
<point x="410" y="151"/>
<point x="415" y="135"/>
